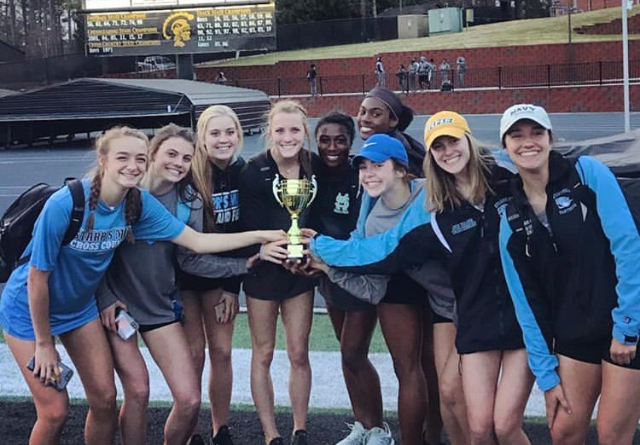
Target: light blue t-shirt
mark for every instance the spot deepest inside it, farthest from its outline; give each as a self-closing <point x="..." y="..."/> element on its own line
<point x="77" y="268"/>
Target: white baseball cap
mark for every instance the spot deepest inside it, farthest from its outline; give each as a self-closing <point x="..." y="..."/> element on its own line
<point x="523" y="111"/>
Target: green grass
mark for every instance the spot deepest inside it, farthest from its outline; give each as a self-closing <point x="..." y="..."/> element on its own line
<point x="322" y="336"/>
<point x="516" y="32"/>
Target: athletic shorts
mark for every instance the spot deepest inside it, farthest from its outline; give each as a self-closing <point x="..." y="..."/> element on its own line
<point x="592" y="352"/>
<point x="151" y="327"/>
<point x="195" y="283"/>
<point x="272" y="282"/>
<point x="435" y="318"/>
<point x="338" y="298"/>
<point x="402" y="289"/>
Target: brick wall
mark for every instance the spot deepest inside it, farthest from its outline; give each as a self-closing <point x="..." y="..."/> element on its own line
<point x="555" y="100"/>
<point x="612" y="27"/>
<point x="592" y="5"/>
<point x="476" y="58"/>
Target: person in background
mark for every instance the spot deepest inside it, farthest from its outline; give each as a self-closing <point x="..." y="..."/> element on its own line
<point x="461" y="65"/>
<point x="423" y="73"/>
<point x="413" y="75"/>
<point x="312" y="75"/>
<point x="221" y="79"/>
<point x="445" y="69"/>
<point x="402" y="74"/>
<point x="380" y="73"/>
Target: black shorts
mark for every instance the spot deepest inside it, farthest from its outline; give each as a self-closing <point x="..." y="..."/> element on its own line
<point x="403" y="289"/>
<point x="435" y="318"/>
<point x="195" y="283"/>
<point x="593" y="352"/>
<point x="338" y="298"/>
<point x="151" y="327"/>
<point x="269" y="281"/>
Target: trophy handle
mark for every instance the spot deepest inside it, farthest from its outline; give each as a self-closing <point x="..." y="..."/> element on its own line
<point x="275" y="187"/>
<point x="314" y="192"/>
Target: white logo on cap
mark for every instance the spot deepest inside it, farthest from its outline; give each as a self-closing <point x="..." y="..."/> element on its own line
<point x="441" y="121"/>
<point x="369" y="144"/>
<point x="523" y="109"/>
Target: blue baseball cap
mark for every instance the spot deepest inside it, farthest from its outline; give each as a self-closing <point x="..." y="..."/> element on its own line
<point x="380" y="147"/>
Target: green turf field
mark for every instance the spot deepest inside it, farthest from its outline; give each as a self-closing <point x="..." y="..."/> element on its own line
<point x="322" y="336"/>
<point x="516" y="32"/>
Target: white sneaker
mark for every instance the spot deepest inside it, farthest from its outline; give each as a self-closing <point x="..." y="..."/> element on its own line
<point x="356" y="436"/>
<point x="379" y="436"/>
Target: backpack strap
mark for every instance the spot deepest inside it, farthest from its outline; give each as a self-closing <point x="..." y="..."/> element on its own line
<point x="77" y="211"/>
<point x="77" y="215"/>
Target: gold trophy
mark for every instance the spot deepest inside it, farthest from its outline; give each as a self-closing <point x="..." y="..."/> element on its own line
<point x="295" y="195"/>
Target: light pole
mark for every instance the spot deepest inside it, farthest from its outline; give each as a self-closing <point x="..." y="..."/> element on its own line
<point x="569" y="19"/>
<point x="625" y="65"/>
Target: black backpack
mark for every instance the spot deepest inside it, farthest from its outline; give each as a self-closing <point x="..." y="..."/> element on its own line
<point x="16" y="225"/>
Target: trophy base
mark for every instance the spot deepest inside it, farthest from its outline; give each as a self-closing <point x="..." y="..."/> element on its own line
<point x="295" y="253"/>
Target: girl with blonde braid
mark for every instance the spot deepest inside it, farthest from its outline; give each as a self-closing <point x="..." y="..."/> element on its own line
<point x="52" y="294"/>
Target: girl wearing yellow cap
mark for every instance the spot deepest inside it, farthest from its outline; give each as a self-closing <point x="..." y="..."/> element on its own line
<point x="465" y="193"/>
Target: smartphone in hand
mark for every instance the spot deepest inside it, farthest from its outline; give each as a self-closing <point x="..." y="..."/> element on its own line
<point x="125" y="324"/>
<point x="60" y="381"/>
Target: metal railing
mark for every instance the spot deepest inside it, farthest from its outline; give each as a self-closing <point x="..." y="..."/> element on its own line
<point x="594" y="73"/>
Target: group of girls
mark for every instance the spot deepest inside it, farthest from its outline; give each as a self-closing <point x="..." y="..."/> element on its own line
<point x="481" y="278"/>
<point x="53" y="294"/>
<point x="543" y="267"/>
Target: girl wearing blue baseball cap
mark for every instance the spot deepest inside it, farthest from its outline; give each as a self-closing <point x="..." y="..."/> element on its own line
<point x="570" y="250"/>
<point x="382" y="112"/>
<point x="390" y="190"/>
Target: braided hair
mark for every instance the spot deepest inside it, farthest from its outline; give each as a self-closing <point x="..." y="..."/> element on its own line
<point x="133" y="200"/>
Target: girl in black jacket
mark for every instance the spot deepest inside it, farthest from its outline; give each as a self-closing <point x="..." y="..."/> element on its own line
<point x="211" y="304"/>
<point x="271" y="288"/>
<point x="569" y="245"/>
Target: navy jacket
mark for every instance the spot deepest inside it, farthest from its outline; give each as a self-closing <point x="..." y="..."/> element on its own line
<point x="579" y="280"/>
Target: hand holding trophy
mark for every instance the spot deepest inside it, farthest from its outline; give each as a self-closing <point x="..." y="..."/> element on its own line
<point x="295" y="195"/>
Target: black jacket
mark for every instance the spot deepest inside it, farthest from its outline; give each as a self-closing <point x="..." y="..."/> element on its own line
<point x="261" y="211"/>
<point x="577" y="280"/>
<point x="465" y="239"/>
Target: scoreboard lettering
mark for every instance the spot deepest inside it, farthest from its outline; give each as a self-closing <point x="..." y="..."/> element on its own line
<point x="181" y="31"/>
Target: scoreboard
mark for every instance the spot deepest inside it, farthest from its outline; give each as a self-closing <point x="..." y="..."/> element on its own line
<point x="181" y="31"/>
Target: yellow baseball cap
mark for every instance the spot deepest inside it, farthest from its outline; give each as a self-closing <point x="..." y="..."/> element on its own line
<point x="444" y="123"/>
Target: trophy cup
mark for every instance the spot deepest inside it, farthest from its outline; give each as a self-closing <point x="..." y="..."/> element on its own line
<point x="295" y="195"/>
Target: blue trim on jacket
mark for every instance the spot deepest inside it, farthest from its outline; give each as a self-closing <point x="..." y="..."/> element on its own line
<point x="619" y="227"/>
<point x="357" y="250"/>
<point x="542" y="361"/>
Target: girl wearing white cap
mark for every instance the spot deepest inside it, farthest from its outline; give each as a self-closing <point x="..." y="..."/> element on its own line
<point x="465" y="193"/>
<point x="569" y="247"/>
